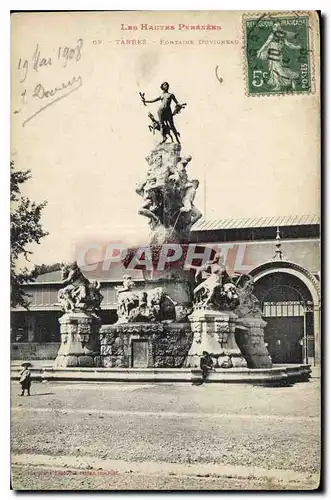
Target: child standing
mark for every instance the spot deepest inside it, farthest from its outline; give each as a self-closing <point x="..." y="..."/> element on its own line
<point x="25" y="379"/>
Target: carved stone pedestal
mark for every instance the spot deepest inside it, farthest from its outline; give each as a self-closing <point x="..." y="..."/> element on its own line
<point x="79" y="340"/>
<point x="145" y="345"/>
<point x="250" y="338"/>
<point x="214" y="333"/>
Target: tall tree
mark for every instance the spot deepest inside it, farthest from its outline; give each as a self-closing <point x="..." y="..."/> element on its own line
<point x="25" y="228"/>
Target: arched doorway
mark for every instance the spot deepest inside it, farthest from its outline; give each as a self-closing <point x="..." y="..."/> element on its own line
<point x="290" y="300"/>
<point x="287" y="308"/>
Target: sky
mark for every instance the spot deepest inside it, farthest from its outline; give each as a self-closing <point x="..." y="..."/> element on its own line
<point x="257" y="156"/>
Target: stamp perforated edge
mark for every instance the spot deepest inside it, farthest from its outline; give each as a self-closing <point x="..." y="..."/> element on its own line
<point x="265" y="14"/>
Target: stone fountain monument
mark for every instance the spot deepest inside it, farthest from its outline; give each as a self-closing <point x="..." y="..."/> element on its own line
<point x="179" y="314"/>
<point x="182" y="311"/>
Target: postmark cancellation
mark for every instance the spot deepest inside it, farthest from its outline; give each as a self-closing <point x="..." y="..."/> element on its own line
<point x="278" y="53"/>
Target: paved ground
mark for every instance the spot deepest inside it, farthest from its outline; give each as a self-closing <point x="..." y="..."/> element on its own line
<point x="165" y="436"/>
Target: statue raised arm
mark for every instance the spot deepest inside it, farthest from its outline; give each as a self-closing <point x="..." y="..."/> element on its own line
<point x="165" y="113"/>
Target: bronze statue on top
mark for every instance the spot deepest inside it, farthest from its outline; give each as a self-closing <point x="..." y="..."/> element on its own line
<point x="167" y="191"/>
<point x="165" y="123"/>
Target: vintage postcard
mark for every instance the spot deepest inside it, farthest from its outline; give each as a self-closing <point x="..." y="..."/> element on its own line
<point x="165" y="250"/>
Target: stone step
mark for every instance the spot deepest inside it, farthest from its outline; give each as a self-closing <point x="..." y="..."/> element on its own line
<point x="278" y="374"/>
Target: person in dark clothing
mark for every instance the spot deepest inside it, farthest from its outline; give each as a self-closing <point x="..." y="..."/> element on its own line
<point x="25" y="379"/>
<point x="206" y="364"/>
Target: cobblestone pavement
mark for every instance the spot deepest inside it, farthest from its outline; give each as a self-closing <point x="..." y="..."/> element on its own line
<point x="165" y="436"/>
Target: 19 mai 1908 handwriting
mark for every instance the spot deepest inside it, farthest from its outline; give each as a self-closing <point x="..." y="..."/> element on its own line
<point x="38" y="63"/>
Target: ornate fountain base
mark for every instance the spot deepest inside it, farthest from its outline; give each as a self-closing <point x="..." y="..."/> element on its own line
<point x="79" y="340"/>
<point x="145" y="345"/>
<point x="214" y="333"/>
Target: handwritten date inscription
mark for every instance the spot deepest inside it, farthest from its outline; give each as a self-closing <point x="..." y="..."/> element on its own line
<point x="38" y="64"/>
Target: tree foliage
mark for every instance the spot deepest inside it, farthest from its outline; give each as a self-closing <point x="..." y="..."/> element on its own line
<point x="25" y="229"/>
<point x="40" y="269"/>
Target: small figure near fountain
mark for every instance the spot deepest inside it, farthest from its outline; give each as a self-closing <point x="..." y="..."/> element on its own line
<point x="206" y="364"/>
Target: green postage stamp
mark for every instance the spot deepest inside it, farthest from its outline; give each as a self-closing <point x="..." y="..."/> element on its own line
<point x="277" y="53"/>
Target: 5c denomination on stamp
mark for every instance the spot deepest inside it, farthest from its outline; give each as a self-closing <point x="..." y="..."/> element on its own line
<point x="277" y="54"/>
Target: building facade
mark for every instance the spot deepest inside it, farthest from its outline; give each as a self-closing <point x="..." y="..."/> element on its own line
<point x="282" y="254"/>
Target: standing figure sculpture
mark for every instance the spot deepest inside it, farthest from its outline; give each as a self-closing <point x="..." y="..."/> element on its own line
<point x="165" y="114"/>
